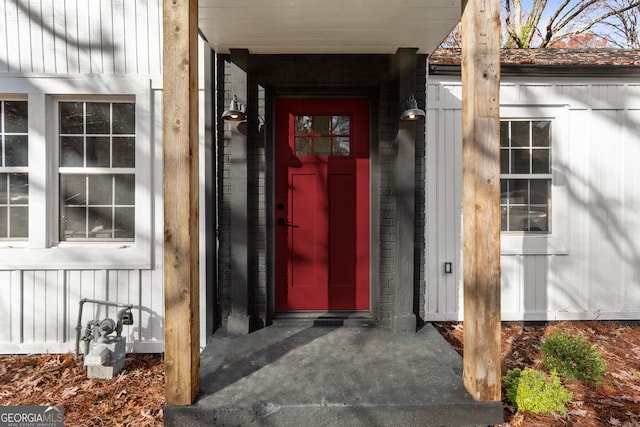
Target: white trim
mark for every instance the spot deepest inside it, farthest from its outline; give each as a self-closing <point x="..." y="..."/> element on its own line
<point x="68" y="347"/>
<point x="43" y="250"/>
<point x="551" y="316"/>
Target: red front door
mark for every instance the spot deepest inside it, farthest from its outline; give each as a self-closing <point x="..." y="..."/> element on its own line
<point x="322" y="204"/>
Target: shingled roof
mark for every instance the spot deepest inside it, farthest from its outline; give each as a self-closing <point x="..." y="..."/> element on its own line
<point x="558" y="61"/>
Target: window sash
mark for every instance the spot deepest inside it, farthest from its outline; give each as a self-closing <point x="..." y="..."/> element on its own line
<point x="14" y="202"/>
<point x="523" y="216"/>
<point x="91" y="221"/>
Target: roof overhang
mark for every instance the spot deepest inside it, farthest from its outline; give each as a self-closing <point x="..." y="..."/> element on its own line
<point x="327" y="26"/>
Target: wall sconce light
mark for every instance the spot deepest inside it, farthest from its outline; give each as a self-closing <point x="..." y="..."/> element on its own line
<point x="235" y="113"/>
<point x="411" y="111"/>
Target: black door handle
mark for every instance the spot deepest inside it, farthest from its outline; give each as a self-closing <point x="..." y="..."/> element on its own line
<point x="282" y="221"/>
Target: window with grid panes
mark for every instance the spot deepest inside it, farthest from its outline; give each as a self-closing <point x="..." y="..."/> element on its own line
<point x="97" y="171"/>
<point x="321" y="135"/>
<point x="14" y="176"/>
<point x="525" y="176"/>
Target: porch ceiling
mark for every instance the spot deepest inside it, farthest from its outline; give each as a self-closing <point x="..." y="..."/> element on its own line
<point x="327" y="26"/>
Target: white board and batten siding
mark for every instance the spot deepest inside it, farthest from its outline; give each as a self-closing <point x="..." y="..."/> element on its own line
<point x="94" y="47"/>
<point x="589" y="266"/>
<point x="121" y="37"/>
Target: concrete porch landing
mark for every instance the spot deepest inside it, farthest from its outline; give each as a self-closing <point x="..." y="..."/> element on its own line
<point x="332" y="376"/>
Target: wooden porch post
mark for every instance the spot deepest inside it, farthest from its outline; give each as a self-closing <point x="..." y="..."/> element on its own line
<point x="481" y="197"/>
<point x="180" y="183"/>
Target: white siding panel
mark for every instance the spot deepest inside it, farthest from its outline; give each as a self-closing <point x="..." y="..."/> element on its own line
<point x="606" y="233"/>
<point x="59" y="34"/>
<point x="142" y="33"/>
<point x="130" y="37"/>
<point x="608" y="93"/>
<point x="632" y="201"/>
<point x="118" y="36"/>
<point x="155" y="36"/>
<point x="49" y="54"/>
<point x="107" y="37"/>
<point x="598" y="276"/>
<point x="12" y="58"/>
<point x="433" y="127"/>
<point x="151" y="306"/>
<point x="40" y="310"/>
<point x="511" y="291"/>
<point x="24" y="36"/>
<point x="535" y="94"/>
<point x="4" y="66"/>
<point x="444" y="207"/>
<point x="86" y="38"/>
<point x="72" y="40"/>
<point x="33" y="327"/>
<point x="17" y="308"/>
<point x="96" y="48"/>
<point x="6" y="306"/>
<point x="36" y="37"/>
<point x="78" y="36"/>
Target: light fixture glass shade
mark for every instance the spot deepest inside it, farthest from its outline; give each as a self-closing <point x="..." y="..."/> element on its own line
<point x="234" y="113"/>
<point x="412" y="112"/>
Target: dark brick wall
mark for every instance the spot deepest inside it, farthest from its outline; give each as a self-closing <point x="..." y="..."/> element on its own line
<point x="224" y="193"/>
<point x="318" y="75"/>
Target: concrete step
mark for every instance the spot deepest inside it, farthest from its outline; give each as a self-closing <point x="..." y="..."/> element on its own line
<point x="332" y="376"/>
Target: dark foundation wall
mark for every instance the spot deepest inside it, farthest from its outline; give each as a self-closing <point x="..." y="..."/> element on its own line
<point x="269" y="76"/>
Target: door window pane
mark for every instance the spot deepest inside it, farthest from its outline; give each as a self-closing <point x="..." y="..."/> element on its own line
<point x="322" y="146"/>
<point x="341" y="146"/>
<point x="303" y="124"/>
<point x="341" y="125"/>
<point x="322" y="125"/>
<point x="322" y="135"/>
<point x="303" y="146"/>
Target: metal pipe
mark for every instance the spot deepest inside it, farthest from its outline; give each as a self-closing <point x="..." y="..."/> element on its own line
<point x="79" y="324"/>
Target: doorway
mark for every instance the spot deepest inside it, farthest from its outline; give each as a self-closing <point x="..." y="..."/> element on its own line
<point x="322" y="204"/>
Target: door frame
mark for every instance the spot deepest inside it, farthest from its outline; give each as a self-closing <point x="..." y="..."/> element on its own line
<point x="374" y="218"/>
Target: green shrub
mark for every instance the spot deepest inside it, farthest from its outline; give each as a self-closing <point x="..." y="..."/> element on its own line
<point x="531" y="390"/>
<point x="573" y="358"/>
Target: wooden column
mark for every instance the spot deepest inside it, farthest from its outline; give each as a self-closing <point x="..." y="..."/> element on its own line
<point x="481" y="196"/>
<point x="180" y="144"/>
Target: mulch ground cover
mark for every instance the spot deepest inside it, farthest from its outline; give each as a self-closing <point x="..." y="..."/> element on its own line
<point x="136" y="396"/>
<point x="615" y="401"/>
